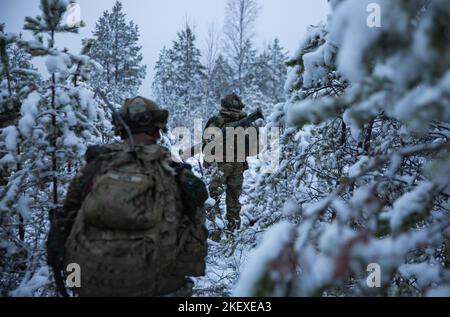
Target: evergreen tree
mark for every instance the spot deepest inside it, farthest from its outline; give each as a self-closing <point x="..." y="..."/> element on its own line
<point x="58" y="119"/>
<point x="365" y="160"/>
<point x="262" y="72"/>
<point x="116" y="49"/>
<point x="179" y="80"/>
<point x="221" y="79"/>
<point x="266" y="75"/>
<point x="239" y="29"/>
<point x="254" y="98"/>
<point x="247" y="68"/>
<point x="17" y="78"/>
<point x="163" y="81"/>
<point x="278" y="72"/>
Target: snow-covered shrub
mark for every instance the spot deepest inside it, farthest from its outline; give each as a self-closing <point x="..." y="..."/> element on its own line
<point x="56" y="119"/>
<point x="369" y="117"/>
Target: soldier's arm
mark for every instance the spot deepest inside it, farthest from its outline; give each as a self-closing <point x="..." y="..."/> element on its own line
<point x="193" y="190"/>
<point x="195" y="249"/>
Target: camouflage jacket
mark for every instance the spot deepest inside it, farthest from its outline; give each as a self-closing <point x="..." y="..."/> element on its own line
<point x="225" y="117"/>
<point x="191" y="193"/>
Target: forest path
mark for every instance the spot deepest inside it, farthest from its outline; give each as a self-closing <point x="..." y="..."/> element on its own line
<point x="227" y="258"/>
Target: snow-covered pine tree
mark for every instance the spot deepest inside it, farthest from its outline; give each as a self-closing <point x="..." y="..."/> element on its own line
<point x="254" y="98"/>
<point x="179" y="80"/>
<point x="291" y="174"/>
<point x="17" y="78"/>
<point x="265" y="77"/>
<point x="218" y="73"/>
<point x="58" y="119"/>
<point x="17" y="73"/>
<point x="261" y="71"/>
<point x="247" y="68"/>
<point x="117" y="50"/>
<point x="221" y="79"/>
<point x="163" y="81"/>
<point x="189" y="78"/>
<point x="256" y="94"/>
<point x="239" y="29"/>
<point x="386" y="201"/>
<point x="278" y="72"/>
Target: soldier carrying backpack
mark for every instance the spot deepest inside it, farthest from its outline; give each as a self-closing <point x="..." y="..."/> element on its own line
<point x="132" y="219"/>
<point x="228" y="176"/>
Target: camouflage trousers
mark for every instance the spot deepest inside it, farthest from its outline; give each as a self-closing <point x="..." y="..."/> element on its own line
<point x="228" y="177"/>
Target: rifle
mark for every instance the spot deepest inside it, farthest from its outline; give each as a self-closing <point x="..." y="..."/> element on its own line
<point x="246" y="122"/>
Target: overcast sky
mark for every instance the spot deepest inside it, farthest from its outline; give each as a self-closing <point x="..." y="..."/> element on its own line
<point x="159" y="21"/>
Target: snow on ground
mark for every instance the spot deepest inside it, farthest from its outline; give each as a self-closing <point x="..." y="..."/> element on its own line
<point x="228" y="258"/>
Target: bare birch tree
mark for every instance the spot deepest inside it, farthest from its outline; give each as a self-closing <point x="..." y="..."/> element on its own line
<point x="239" y="29"/>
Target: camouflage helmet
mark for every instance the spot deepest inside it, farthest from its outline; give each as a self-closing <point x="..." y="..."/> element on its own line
<point x="232" y="101"/>
<point x="142" y="115"/>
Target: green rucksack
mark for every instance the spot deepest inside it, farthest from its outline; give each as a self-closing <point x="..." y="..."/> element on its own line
<point x="132" y="229"/>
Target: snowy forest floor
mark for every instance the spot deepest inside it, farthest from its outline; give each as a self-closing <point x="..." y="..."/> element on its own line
<point x="227" y="258"/>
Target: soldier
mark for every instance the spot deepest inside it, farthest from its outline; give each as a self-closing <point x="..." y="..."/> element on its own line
<point x="132" y="219"/>
<point x="227" y="174"/>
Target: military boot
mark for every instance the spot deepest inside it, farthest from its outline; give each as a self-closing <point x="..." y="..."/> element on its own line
<point x="212" y="211"/>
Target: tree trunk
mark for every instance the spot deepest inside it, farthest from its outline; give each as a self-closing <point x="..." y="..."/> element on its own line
<point x="343" y="133"/>
<point x="21" y="229"/>
<point x="54" y="136"/>
<point x="368" y="137"/>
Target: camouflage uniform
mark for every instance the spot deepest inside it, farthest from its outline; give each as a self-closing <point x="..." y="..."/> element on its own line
<point x="231" y="176"/>
<point x="227" y="175"/>
<point x="120" y="258"/>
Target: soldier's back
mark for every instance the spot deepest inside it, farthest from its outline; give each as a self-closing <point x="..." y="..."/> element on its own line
<point x="126" y="232"/>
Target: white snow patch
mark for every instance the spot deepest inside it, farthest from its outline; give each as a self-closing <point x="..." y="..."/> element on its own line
<point x="11" y="138"/>
<point x="29" y="111"/>
<point x="441" y="291"/>
<point x="70" y="139"/>
<point x="274" y="240"/>
<point x="23" y="206"/>
<point x="423" y="273"/>
<point x="410" y="204"/>
<point x="28" y="286"/>
<point x="357" y="168"/>
<point x="58" y="64"/>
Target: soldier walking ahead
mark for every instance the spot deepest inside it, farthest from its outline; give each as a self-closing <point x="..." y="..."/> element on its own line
<point x="228" y="176"/>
